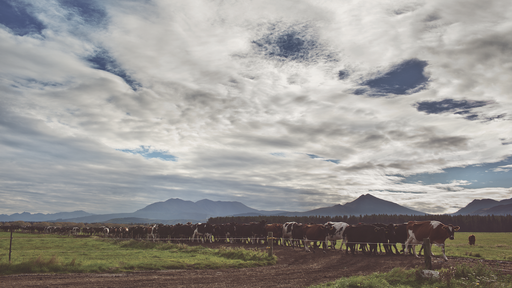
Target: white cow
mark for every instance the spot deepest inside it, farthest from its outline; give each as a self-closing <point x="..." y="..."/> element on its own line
<point x="338" y="235"/>
<point x="287" y="233"/>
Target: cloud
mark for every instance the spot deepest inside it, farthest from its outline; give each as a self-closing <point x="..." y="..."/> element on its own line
<point x="256" y="104"/>
<point x="505" y="168"/>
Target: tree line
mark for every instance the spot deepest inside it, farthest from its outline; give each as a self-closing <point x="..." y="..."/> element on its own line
<point x="468" y="223"/>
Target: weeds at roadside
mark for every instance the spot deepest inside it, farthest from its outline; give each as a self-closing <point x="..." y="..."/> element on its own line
<point x="460" y="276"/>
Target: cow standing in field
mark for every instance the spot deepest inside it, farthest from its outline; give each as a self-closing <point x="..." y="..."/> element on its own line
<point x="277" y="231"/>
<point x="472" y="239"/>
<point x="203" y="231"/>
<point x="435" y="231"/>
<point x="287" y="233"/>
<point x="389" y="237"/>
<point x="339" y="233"/>
<point x="317" y="232"/>
<point x="182" y="232"/>
<point x="364" y="234"/>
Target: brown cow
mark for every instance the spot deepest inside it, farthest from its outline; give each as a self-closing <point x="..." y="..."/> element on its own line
<point x="472" y="239"/>
<point x="435" y="231"/>
<point x="317" y="232"/>
<point x="277" y="231"/>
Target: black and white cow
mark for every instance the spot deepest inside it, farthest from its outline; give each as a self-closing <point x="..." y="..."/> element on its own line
<point x="339" y="233"/>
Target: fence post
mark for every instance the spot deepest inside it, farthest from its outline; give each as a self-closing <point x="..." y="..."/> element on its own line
<point x="270" y="240"/>
<point x="428" y="253"/>
<point x="10" y="247"/>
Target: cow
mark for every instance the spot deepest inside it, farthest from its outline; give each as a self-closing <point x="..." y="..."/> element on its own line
<point x="435" y="231"/>
<point x="389" y="237"/>
<point x="364" y="234"/>
<point x="203" y="231"/>
<point x="227" y="231"/>
<point x="151" y="231"/>
<point x="164" y="231"/>
<point x="253" y="231"/>
<point x="471" y="239"/>
<point x="339" y="233"/>
<point x="258" y="231"/>
<point x="400" y="236"/>
<point x="317" y="232"/>
<point x="181" y="232"/>
<point x="287" y="233"/>
<point x="277" y="231"/>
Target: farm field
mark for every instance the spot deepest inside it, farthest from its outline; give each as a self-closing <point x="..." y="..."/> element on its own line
<point x="488" y="246"/>
<point x="293" y="268"/>
<point x="35" y="253"/>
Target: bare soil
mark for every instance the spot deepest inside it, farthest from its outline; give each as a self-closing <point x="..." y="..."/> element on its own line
<point x="294" y="268"/>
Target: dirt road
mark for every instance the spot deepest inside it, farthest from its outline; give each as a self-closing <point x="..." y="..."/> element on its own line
<point x="295" y="268"/>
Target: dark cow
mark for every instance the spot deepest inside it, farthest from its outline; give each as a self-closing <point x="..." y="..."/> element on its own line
<point x="164" y="231"/>
<point x="253" y="231"/>
<point x="400" y="236"/>
<point x="472" y="239"/>
<point x="317" y="232"/>
<point x="389" y="237"/>
<point x="298" y="235"/>
<point x="219" y="232"/>
<point x="364" y="234"/>
<point x="277" y="231"/>
<point x="435" y="231"/>
<point x="181" y="232"/>
<point x="203" y="231"/>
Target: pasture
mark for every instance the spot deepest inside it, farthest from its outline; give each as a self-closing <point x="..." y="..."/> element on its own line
<point x="489" y="246"/>
<point x="41" y="253"/>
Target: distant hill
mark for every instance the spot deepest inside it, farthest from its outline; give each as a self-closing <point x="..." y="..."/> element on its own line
<point x="364" y="205"/>
<point x="133" y="220"/>
<point x="201" y="210"/>
<point x="495" y="210"/>
<point x="487" y="207"/>
<point x="40" y="217"/>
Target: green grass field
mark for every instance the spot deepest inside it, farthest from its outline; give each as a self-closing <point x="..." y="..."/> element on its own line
<point x="38" y="253"/>
<point x="489" y="246"/>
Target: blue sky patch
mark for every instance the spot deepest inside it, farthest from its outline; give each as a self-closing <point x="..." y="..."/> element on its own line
<point x="149" y="153"/>
<point x="102" y="60"/>
<point x="278" y="154"/>
<point x="295" y="43"/>
<point x="291" y="45"/>
<point x="17" y="17"/>
<point x="459" y="107"/>
<point x="89" y="10"/>
<point x="313" y="156"/>
<point x="343" y="74"/>
<point x="404" y="78"/>
<point x="480" y="176"/>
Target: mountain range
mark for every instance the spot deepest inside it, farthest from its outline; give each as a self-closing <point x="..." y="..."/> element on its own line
<point x="487" y="207"/>
<point x="176" y="210"/>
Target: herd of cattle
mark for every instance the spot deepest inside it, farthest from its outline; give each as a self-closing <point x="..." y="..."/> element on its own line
<point x="368" y="237"/>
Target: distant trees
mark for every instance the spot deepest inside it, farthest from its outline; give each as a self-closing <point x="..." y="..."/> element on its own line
<point x="468" y="223"/>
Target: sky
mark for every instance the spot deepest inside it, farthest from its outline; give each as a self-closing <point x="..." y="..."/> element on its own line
<point x="108" y="106"/>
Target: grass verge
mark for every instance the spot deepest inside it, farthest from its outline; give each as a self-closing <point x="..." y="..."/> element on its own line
<point x="62" y="254"/>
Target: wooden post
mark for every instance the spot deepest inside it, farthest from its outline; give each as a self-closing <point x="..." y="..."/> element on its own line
<point x="428" y="253"/>
<point x="10" y="247"/>
<point x="270" y="240"/>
